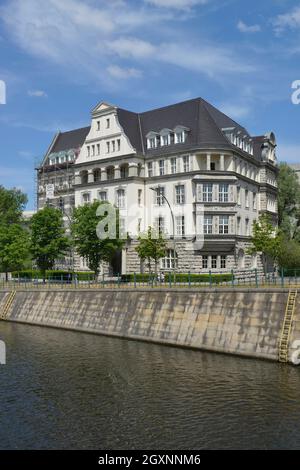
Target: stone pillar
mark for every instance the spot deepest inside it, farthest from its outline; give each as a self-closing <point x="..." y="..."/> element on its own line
<point x="142" y="173"/>
<point x="133" y="169"/>
<point x="222" y="162"/>
<point x="208" y="161"/>
<point x="77" y="178"/>
<point x="90" y="176"/>
<point x="103" y="174"/>
<point x="117" y="172"/>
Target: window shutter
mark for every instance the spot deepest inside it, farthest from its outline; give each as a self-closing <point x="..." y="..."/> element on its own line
<point x="215" y="224"/>
<point x="199" y="193"/>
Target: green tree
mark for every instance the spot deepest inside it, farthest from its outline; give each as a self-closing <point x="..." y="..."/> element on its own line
<point x="48" y="239"/>
<point x="86" y="241"/>
<point x="288" y="202"/>
<point x="152" y="247"/>
<point x="14" y="247"/>
<point x="288" y="253"/>
<point x="12" y="204"/>
<point x="265" y="240"/>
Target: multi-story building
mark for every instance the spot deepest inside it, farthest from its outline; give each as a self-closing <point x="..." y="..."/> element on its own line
<point x="216" y="177"/>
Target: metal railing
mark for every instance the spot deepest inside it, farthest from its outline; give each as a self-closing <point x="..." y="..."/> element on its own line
<point x="234" y="279"/>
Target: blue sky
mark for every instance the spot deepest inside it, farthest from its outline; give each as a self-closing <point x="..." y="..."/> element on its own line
<point x="60" y="58"/>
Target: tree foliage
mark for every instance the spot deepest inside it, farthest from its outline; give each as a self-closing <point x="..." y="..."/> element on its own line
<point x="152" y="247"/>
<point x="88" y="245"/>
<point x="14" y="247"/>
<point x="48" y="239"/>
<point x="12" y="204"/>
<point x="265" y="240"/>
<point x="288" y="253"/>
<point x="288" y="202"/>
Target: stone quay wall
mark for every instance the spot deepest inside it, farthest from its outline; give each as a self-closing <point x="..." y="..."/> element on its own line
<point x="237" y="321"/>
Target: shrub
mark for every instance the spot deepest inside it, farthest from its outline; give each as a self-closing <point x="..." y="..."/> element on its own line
<point x="53" y="275"/>
<point x="180" y="278"/>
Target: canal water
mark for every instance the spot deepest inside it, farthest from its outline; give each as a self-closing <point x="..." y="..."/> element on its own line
<point x="69" y="390"/>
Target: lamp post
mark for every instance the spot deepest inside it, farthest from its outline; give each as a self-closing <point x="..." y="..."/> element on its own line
<point x="156" y="190"/>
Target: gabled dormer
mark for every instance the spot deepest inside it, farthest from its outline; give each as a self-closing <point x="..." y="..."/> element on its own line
<point x="107" y="137"/>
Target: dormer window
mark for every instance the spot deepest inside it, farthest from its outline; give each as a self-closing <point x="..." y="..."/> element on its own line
<point x="165" y="137"/>
<point x="180" y="133"/>
<point x="152" y="140"/>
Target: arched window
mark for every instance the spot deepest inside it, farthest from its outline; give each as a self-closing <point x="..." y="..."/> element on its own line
<point x="168" y="262"/>
<point x="84" y="177"/>
<point x="97" y="175"/>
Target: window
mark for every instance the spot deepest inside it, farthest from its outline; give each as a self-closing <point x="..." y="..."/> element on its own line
<point x="204" y="262"/>
<point x="97" y="175"/>
<point x="212" y="166"/>
<point x="207" y="192"/>
<point x="186" y="163"/>
<point x="113" y="144"/>
<point x="139" y="225"/>
<point x="122" y="227"/>
<point x="180" y="229"/>
<point x="180" y="194"/>
<point x="238" y="228"/>
<point x="160" y="192"/>
<point x="61" y="204"/>
<point x="140" y="192"/>
<point x="88" y="151"/>
<point x="86" y="197"/>
<point x="170" y="261"/>
<point x="98" y="149"/>
<point x="238" y="195"/>
<point x="223" y="224"/>
<point x="98" y="125"/>
<point x="165" y="140"/>
<point x="254" y="201"/>
<point x="93" y="150"/>
<point x="223" y="262"/>
<point x="120" y="203"/>
<point x="150" y="169"/>
<point x="118" y="145"/>
<point x="179" y="137"/>
<point x="223" y="192"/>
<point x="110" y="173"/>
<point x="160" y="225"/>
<point x="173" y="165"/>
<point x="107" y="147"/>
<point x="161" y="167"/>
<point x="124" y="171"/>
<point x="107" y="123"/>
<point x="214" y="259"/>
<point x="102" y="195"/>
<point x="207" y="224"/>
<point x="151" y="143"/>
<point x="247" y="228"/>
<point x="246" y="198"/>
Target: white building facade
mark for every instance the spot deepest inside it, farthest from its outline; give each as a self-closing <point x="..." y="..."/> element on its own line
<point x="215" y="176"/>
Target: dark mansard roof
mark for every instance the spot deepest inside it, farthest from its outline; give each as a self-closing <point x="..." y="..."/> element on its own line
<point x="204" y="122"/>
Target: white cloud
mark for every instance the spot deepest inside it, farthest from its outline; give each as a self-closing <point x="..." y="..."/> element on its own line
<point x="37" y="93"/>
<point x="177" y="4"/>
<point x="287" y="20"/>
<point x="244" y="28"/>
<point x="123" y="73"/>
<point x="128" y="47"/>
<point x="87" y="40"/>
